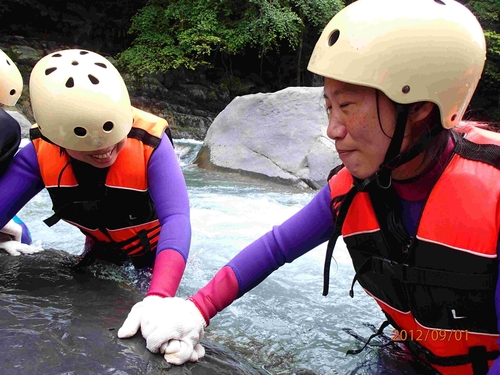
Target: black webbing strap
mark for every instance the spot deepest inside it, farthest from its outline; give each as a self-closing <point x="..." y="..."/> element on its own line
<point x="393" y="152"/>
<point x="143" y="238"/>
<point x="378" y="333"/>
<point x="339" y="221"/>
<point x="477" y="356"/>
<point x="486" y="153"/>
<point x="87" y="206"/>
<point x="415" y="275"/>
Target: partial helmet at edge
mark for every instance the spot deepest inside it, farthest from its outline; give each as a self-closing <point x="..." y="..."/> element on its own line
<point x="11" y="81"/>
<point x="80" y="101"/>
<point x="411" y="50"/>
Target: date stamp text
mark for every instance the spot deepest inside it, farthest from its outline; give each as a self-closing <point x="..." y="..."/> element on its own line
<point x="429" y="335"/>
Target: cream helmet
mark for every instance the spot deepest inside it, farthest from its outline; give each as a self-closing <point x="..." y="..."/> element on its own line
<point x="79" y="100"/>
<point x="411" y="50"/>
<point x="11" y="81"/>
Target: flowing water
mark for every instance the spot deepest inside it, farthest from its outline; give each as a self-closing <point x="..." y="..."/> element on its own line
<point x="284" y="325"/>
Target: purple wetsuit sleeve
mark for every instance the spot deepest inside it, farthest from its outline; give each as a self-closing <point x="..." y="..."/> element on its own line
<point x="305" y="230"/>
<point x="495" y="368"/>
<point x="21" y="182"/>
<point x="169" y="193"/>
<point x="26" y="234"/>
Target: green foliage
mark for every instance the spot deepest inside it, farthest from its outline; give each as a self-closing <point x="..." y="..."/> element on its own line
<point x="487" y="12"/>
<point x="491" y="75"/>
<point x="179" y="33"/>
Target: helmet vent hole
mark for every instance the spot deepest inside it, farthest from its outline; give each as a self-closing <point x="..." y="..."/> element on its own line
<point x="80" y="132"/>
<point x="12" y="92"/>
<point x="83" y="52"/>
<point x="93" y="79"/>
<point x="50" y="70"/>
<point x="405" y="89"/>
<point x="333" y="38"/>
<point x="70" y="83"/>
<point x="74" y="63"/>
<point x="57" y="55"/>
<point x="108" y="126"/>
<point x="454" y="117"/>
<point x="8" y="62"/>
<point x="440" y="2"/>
<point x="101" y="65"/>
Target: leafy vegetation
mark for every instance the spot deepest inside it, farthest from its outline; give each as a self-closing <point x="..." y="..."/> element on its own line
<point x="190" y="33"/>
<point x="487" y="96"/>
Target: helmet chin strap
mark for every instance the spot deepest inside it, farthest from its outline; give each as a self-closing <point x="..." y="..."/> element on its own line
<point x="383" y="175"/>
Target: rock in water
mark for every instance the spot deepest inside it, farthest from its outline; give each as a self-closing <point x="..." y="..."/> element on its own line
<point x="55" y="320"/>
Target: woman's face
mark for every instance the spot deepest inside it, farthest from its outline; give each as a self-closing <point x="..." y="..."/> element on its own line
<point x="354" y="125"/>
<point x="101" y="158"/>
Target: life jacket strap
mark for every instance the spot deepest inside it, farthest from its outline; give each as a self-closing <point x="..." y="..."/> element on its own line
<point x="87" y="206"/>
<point x="379" y="332"/>
<point x="140" y="260"/>
<point x="415" y="275"/>
<point x="478" y="357"/>
<point x="360" y="271"/>
<point x="145" y="241"/>
<point x="339" y="221"/>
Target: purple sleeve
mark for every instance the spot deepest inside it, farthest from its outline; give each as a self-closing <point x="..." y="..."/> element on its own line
<point x="21" y="182"/>
<point x="495" y="368"/>
<point x="26" y="234"/>
<point x="169" y="193"/>
<point x="305" y="230"/>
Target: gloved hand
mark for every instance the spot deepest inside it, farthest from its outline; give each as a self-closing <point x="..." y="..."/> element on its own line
<point x="171" y="325"/>
<point x="10" y="240"/>
<point x="16" y="248"/>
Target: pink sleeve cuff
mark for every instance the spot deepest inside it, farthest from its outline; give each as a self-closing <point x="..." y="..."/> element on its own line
<point x="219" y="293"/>
<point x="167" y="274"/>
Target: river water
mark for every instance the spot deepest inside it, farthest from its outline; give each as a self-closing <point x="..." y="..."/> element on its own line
<point x="284" y="325"/>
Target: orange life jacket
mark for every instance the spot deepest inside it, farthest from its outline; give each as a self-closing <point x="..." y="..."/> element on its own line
<point x="124" y="218"/>
<point x="440" y="296"/>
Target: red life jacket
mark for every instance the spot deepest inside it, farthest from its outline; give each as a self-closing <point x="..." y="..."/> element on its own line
<point x="441" y="294"/>
<point x="124" y="217"/>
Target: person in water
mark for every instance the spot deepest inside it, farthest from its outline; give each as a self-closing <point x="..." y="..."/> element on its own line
<point x="15" y="237"/>
<point x="110" y="169"/>
<point x="416" y="199"/>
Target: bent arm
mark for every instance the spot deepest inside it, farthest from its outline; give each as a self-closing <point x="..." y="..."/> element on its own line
<point x="169" y="193"/>
<point x="308" y="228"/>
<point x="21" y="182"/>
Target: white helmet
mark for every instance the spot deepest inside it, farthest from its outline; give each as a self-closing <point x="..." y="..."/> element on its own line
<point x="411" y="50"/>
<point x="11" y="81"/>
<point x="80" y="101"/>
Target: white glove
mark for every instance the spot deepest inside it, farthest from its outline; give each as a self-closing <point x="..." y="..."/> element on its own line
<point x="10" y="240"/>
<point x="16" y="248"/>
<point x="171" y="325"/>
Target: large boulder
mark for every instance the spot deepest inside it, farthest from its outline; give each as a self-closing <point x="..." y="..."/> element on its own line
<point x="280" y="135"/>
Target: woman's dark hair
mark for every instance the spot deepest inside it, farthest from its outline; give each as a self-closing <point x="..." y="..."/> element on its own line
<point x="438" y="145"/>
